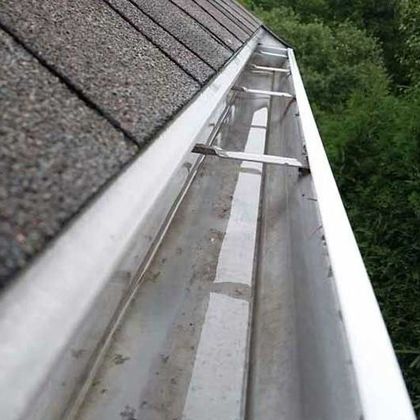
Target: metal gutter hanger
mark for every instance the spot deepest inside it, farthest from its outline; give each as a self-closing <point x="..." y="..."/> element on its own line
<point x="273" y="54"/>
<point x="273" y="69"/>
<point x="275" y="51"/>
<point x="263" y="92"/>
<point x="249" y="157"/>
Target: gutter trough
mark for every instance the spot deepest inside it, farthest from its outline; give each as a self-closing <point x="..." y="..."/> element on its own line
<point x="219" y="288"/>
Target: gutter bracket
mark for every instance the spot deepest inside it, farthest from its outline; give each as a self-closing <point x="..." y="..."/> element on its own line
<point x="257" y="68"/>
<point x="250" y="157"/>
<point x="272" y="53"/>
<point x="263" y="92"/>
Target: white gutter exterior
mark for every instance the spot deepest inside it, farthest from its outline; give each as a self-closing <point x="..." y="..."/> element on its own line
<point x="380" y="384"/>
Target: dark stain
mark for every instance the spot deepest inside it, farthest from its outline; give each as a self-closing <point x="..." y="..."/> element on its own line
<point x="187" y="165"/>
<point x="129" y="413"/>
<point x="122" y="276"/>
<point x="119" y="359"/>
<point x="154" y="276"/>
<point x="216" y="234"/>
<point x="77" y="353"/>
<point x="251" y="171"/>
<point x="221" y="213"/>
<point x="330" y="272"/>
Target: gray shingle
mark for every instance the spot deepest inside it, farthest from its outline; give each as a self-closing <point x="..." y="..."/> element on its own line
<point x="213" y="20"/>
<point x="223" y="17"/>
<point x="228" y="11"/>
<point x="104" y="57"/>
<point x="190" y="62"/>
<point x="186" y="30"/>
<point x="55" y="152"/>
<point x="243" y="12"/>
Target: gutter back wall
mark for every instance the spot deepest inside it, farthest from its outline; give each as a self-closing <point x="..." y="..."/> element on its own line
<point x="84" y="85"/>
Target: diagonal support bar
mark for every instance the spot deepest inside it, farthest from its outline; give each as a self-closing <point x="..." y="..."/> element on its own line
<point x="273" y="48"/>
<point x="248" y="157"/>
<point x="270" y="69"/>
<point x="264" y="92"/>
<point x="273" y="54"/>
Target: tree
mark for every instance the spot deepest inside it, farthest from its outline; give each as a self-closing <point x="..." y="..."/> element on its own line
<point x="335" y="60"/>
<point x="409" y="56"/>
<point x="375" y="157"/>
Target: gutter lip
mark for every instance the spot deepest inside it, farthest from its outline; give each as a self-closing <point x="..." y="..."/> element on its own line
<point x="379" y="381"/>
<point x="278" y="37"/>
<point x="47" y="305"/>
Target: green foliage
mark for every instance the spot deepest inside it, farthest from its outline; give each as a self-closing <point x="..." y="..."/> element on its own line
<point x="375" y="156"/>
<point x="354" y="56"/>
<point x="380" y="18"/>
<point x="334" y="59"/>
<point x="410" y="31"/>
<point x="306" y="9"/>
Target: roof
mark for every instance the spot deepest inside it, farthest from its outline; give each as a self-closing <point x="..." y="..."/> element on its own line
<point x="84" y="86"/>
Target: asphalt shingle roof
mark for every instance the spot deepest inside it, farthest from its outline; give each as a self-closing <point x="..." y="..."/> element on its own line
<point x="186" y="30"/>
<point x="185" y="58"/>
<point x="236" y="13"/>
<point x="55" y="153"/>
<point x="84" y="84"/>
<point x="205" y="13"/>
<point x="104" y="57"/>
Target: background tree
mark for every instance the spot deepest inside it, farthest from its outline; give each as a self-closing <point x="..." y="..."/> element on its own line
<point x="409" y="27"/>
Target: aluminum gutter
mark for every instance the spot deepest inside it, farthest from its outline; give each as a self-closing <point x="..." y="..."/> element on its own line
<point x="380" y="384"/>
<point x="55" y="314"/>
